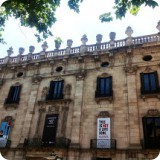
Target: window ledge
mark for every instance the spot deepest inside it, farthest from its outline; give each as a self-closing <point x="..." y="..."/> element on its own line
<point x="99" y="99"/>
<point x="11" y="105"/>
<point x="151" y="95"/>
<point x="54" y="101"/>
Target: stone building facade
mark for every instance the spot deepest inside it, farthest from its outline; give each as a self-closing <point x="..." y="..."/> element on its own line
<point x="93" y="102"/>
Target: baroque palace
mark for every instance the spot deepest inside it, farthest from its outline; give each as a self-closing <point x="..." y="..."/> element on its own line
<point x="92" y="102"/>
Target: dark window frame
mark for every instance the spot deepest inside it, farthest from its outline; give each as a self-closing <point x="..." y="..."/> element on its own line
<point x="13" y="95"/>
<point x="150" y="131"/>
<point x="147" y="84"/>
<point x="104" y="87"/>
<point x="55" y="90"/>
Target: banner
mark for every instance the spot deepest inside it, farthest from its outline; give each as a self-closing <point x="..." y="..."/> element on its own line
<point x="50" y="129"/>
<point x="103" y="133"/>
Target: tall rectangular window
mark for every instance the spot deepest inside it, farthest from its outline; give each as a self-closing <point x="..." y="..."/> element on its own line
<point x="151" y="128"/>
<point x="13" y="95"/>
<point x="55" y="90"/>
<point x="149" y="83"/>
<point x="104" y="87"/>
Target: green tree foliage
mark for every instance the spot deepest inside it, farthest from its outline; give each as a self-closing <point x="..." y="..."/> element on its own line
<point x="40" y="14"/>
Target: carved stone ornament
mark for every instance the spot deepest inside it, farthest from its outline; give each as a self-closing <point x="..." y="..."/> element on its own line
<point x="31" y="49"/>
<point x="8" y="119"/>
<point x="67" y="93"/>
<point x="84" y="39"/>
<point x="80" y="75"/>
<point x="99" y="38"/>
<point x="128" y="56"/>
<point x="158" y="26"/>
<point x="36" y="79"/>
<point x="148" y="69"/>
<point x="21" y="50"/>
<point x="44" y="93"/>
<point x="153" y="112"/>
<point x="54" y="109"/>
<point x="104" y="75"/>
<point x="42" y="110"/>
<point x="103" y="114"/>
<point x="10" y="51"/>
<point x="69" y="43"/>
<point x="131" y="69"/>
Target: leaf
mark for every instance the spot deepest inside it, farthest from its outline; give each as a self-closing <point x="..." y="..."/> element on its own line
<point x="106" y="17"/>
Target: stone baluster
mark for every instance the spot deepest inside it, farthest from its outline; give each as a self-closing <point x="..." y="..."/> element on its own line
<point x="69" y="45"/>
<point x="112" y="36"/>
<point x="83" y="47"/>
<point x="31" y="50"/>
<point x="10" y="52"/>
<point x="129" y="32"/>
<point x="158" y="27"/>
<point x="99" y="40"/>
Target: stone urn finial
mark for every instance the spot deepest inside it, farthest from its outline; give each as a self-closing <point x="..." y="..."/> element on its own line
<point x="84" y="39"/>
<point x="112" y="36"/>
<point x="69" y="43"/>
<point x="129" y="31"/>
<point x="21" y="50"/>
<point x="44" y="46"/>
<point x="31" y="49"/>
<point x="10" y="51"/>
<point x="99" y="38"/>
<point x="158" y="26"/>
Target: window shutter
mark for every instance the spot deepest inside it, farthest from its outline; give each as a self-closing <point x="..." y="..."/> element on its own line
<point x="61" y="88"/>
<point x="110" y="85"/>
<point x="11" y="93"/>
<point x="98" y="87"/>
<point x="17" y="93"/>
<point x="157" y="83"/>
<point x="51" y="90"/>
<point x="142" y="83"/>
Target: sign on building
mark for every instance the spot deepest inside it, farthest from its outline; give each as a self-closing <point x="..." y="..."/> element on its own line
<point x="103" y="133"/>
<point x="50" y="129"/>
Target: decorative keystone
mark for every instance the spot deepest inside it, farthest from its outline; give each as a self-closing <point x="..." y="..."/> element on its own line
<point x="10" y="51"/>
<point x="84" y="39"/>
<point x="44" y="46"/>
<point x="99" y="38"/>
<point x="129" y="31"/>
<point x="31" y="49"/>
<point x="69" y="43"/>
<point x="158" y="26"/>
<point x="21" y="50"/>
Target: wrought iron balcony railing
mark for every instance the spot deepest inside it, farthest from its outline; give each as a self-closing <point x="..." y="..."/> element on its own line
<point x="37" y="142"/>
<point x="103" y="144"/>
<point x="151" y="144"/>
<point x="5" y="143"/>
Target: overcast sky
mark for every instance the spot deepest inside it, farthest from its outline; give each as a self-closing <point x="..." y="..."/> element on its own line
<point x="71" y="25"/>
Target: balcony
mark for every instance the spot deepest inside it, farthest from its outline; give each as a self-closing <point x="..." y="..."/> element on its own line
<point x="5" y="143"/>
<point x="37" y="142"/>
<point x="103" y="144"/>
<point x="151" y="144"/>
<point x="99" y="96"/>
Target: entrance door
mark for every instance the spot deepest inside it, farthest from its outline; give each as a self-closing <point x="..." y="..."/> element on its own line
<point x="50" y="129"/>
<point x="151" y="128"/>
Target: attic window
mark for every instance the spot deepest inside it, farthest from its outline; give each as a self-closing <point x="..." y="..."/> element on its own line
<point x="147" y="57"/>
<point x="104" y="64"/>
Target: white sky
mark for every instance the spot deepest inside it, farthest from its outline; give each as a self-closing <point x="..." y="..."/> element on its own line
<point x="71" y="25"/>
